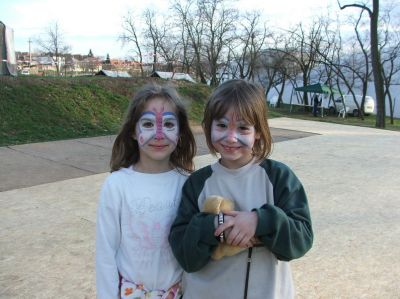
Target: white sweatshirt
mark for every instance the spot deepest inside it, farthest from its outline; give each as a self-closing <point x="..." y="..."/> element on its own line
<point x="134" y="216"/>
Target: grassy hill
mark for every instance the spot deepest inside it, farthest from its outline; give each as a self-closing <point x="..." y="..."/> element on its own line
<point x="34" y="109"/>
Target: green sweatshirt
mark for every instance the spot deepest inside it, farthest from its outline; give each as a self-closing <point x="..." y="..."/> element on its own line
<point x="284" y="227"/>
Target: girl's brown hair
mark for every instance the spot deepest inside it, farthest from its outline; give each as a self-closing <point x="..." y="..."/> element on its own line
<point x="125" y="151"/>
<point x="248" y="101"/>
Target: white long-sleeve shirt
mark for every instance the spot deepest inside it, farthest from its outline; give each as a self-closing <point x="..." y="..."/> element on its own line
<point x="134" y="216"/>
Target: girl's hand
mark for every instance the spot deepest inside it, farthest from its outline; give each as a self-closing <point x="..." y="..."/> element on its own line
<point x="253" y="241"/>
<point x="243" y="227"/>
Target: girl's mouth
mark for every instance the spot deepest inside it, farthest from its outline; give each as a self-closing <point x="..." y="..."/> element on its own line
<point x="158" y="146"/>
<point x="230" y="148"/>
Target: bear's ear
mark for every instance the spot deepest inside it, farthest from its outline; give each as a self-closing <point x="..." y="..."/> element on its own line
<point x="226" y="205"/>
<point x="215" y="204"/>
<point x="212" y="203"/>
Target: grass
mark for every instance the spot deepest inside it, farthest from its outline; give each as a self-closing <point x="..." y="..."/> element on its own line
<point x="36" y="109"/>
<point x="368" y="121"/>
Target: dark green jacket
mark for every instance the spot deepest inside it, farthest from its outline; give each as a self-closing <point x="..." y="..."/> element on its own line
<point x="284" y="223"/>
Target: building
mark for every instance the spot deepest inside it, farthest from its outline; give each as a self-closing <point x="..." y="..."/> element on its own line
<point x="172" y="76"/>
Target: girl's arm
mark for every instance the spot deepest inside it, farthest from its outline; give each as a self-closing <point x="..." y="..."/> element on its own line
<point x="285" y="227"/>
<point x="192" y="233"/>
<point x="108" y="236"/>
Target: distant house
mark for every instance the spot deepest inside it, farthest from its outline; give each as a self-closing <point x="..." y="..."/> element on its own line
<point x="173" y="76"/>
<point x="113" y="74"/>
<point x="45" y="64"/>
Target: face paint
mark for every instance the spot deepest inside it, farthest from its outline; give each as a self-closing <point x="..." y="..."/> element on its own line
<point x="157" y="125"/>
<point x="230" y="129"/>
<point x="170" y="127"/>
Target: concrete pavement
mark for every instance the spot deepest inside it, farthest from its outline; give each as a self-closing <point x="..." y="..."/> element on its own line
<point x="351" y="175"/>
<point x="39" y="163"/>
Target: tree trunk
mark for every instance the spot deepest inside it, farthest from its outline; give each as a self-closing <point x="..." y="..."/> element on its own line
<point x="305" y="96"/>
<point x="377" y="68"/>
<point x="278" y="104"/>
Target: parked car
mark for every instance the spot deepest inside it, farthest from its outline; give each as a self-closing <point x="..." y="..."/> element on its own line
<point x="346" y="103"/>
<point x="24" y="72"/>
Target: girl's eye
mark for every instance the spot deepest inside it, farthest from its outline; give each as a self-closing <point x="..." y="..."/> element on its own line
<point x="221" y="125"/>
<point x="147" y="124"/>
<point x="244" y="128"/>
<point x="169" y="124"/>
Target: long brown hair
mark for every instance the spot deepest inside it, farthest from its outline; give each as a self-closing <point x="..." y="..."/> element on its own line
<point x="125" y="151"/>
<point x="248" y="101"/>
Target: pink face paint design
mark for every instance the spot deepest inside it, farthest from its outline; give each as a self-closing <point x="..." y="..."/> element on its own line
<point x="231" y="130"/>
<point x="170" y="127"/>
<point x="157" y="125"/>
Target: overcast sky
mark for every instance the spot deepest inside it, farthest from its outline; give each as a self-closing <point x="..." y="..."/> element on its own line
<point x="96" y="24"/>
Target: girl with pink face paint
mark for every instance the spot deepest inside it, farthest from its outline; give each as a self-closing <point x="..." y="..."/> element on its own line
<point x="271" y="218"/>
<point x="151" y="158"/>
<point x="158" y="125"/>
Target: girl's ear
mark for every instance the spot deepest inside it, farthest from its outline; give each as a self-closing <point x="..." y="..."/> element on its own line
<point x="257" y="135"/>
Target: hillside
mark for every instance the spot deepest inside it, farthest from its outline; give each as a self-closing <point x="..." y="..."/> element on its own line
<point x="34" y="109"/>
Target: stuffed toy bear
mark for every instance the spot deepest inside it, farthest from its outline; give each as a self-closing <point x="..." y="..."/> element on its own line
<point x="215" y="204"/>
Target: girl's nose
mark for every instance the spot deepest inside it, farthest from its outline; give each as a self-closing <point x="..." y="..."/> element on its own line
<point x="159" y="126"/>
<point x="159" y="135"/>
<point x="232" y="136"/>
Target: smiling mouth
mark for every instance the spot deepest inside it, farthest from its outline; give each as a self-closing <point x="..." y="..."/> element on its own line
<point x="155" y="146"/>
<point x="230" y="148"/>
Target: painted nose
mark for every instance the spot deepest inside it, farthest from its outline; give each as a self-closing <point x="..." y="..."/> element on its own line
<point x="232" y="136"/>
<point x="159" y="135"/>
<point x="159" y="132"/>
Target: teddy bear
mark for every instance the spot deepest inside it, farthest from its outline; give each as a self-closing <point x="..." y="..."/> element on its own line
<point x="215" y="204"/>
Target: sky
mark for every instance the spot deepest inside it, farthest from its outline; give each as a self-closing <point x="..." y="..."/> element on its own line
<point x="96" y="24"/>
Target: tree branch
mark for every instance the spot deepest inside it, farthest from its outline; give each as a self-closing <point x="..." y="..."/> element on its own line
<point x="364" y="7"/>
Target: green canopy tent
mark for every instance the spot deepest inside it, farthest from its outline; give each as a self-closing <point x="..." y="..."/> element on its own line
<point x="317" y="88"/>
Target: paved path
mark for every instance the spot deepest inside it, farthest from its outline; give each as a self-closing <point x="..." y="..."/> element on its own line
<point x="38" y="163"/>
<point x="351" y="175"/>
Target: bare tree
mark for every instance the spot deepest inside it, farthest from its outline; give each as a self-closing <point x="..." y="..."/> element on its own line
<point x="193" y="26"/>
<point x="53" y="44"/>
<point x="390" y="53"/>
<point x="171" y="45"/>
<point x="169" y="51"/>
<point x="131" y="35"/>
<point x="154" y="33"/>
<point x="376" y="60"/>
<point x="278" y="67"/>
<point x="219" y="25"/>
<point x="342" y="67"/>
<point x="186" y="56"/>
<point x="184" y="51"/>
<point x="304" y="49"/>
<point x="361" y="68"/>
<point x="246" y="49"/>
<point x="209" y="25"/>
